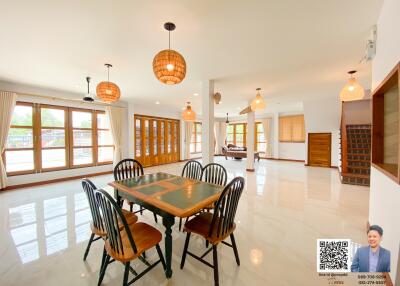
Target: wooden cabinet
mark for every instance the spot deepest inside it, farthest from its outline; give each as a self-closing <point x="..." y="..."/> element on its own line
<point x="156" y="140"/>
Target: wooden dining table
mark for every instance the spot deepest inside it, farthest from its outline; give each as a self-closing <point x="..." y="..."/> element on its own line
<point x="168" y="196"/>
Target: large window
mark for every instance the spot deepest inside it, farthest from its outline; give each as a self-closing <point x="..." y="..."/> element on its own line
<point x="236" y="134"/>
<point x="291" y="128"/>
<point x="195" y="142"/>
<point x="260" y="137"/>
<point x="19" y="153"/>
<point x="45" y="138"/>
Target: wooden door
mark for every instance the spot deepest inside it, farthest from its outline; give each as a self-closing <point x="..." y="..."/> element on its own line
<point x="156" y="140"/>
<point x="319" y="149"/>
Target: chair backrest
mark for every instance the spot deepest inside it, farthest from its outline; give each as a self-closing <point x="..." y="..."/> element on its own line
<point x="225" y="208"/>
<point x="89" y="189"/>
<point x="113" y="219"/>
<point x="215" y="174"/>
<point x="127" y="168"/>
<point x="192" y="170"/>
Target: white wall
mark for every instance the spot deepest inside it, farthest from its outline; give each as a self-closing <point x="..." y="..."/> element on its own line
<point x="384" y="193"/>
<point x="323" y="116"/>
<point x="292" y="151"/>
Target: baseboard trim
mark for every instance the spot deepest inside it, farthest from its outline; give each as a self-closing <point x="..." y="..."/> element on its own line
<point x="281" y="159"/>
<point x="34" y="184"/>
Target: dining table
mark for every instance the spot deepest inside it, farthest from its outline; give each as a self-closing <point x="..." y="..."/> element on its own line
<point x="168" y="196"/>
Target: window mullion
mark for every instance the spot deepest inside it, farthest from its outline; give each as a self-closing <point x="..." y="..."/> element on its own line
<point x="36" y="125"/>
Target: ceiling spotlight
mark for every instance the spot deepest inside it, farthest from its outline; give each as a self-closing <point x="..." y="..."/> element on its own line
<point x="157" y="102"/>
<point x="195" y="94"/>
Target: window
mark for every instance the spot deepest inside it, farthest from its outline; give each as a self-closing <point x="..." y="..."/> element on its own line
<point x="260" y="137"/>
<point x="105" y="147"/>
<point x="53" y="144"/>
<point x="195" y="142"/>
<point x="291" y="128"/>
<point x="236" y="134"/>
<point x="46" y="138"/>
<point x="19" y="152"/>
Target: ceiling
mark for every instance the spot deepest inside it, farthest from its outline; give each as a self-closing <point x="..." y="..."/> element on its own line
<point x="293" y="50"/>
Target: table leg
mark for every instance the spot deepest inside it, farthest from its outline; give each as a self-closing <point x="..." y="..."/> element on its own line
<point x="168" y="222"/>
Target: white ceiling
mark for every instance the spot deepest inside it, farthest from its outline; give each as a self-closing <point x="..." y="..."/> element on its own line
<point x="293" y="50"/>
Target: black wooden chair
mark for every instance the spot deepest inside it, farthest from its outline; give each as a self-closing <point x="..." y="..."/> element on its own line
<point x="216" y="227"/>
<point x="126" y="169"/>
<point x="128" y="242"/>
<point x="97" y="225"/>
<point x="192" y="170"/>
<point x="215" y="174"/>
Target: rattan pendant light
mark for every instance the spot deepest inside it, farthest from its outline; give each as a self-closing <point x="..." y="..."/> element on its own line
<point x="258" y="103"/>
<point x="108" y="91"/>
<point x="188" y="114"/>
<point x="169" y="66"/>
<point x="352" y="90"/>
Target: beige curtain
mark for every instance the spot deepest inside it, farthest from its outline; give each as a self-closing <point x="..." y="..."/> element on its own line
<point x="188" y="136"/>
<point x="267" y="134"/>
<point x="115" y="116"/>
<point x="216" y="137"/>
<point x="222" y="136"/>
<point x="7" y="104"/>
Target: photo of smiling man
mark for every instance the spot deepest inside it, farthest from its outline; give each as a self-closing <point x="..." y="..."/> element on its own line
<point x="372" y="258"/>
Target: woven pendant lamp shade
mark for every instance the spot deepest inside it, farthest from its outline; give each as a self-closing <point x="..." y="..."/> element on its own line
<point x="258" y="103"/>
<point x="352" y="90"/>
<point x="188" y="114"/>
<point x="169" y="67"/>
<point x="108" y="91"/>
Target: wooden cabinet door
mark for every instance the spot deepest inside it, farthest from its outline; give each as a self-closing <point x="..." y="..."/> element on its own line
<point x="319" y="149"/>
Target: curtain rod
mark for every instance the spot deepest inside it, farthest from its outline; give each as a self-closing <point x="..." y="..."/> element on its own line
<point x="79" y="101"/>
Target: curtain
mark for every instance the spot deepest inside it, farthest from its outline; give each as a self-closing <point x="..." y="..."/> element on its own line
<point x="115" y="116"/>
<point x="7" y="104"/>
<point x="222" y="136"/>
<point x="188" y="137"/>
<point x="216" y="138"/>
<point x="266" y="123"/>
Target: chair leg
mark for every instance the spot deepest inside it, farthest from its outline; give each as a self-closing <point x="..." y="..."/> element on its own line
<point x="141" y="210"/>
<point x="131" y="207"/>
<point x="161" y="256"/>
<point x="235" y="249"/>
<point x="215" y="263"/>
<point x="103" y="259"/>
<point x="155" y="217"/>
<point x="88" y="246"/>
<point x="185" y="250"/>
<point x="180" y="224"/>
<point x="126" y="274"/>
<point x="103" y="270"/>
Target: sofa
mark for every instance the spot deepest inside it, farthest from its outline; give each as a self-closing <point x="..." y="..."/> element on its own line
<point x="237" y="152"/>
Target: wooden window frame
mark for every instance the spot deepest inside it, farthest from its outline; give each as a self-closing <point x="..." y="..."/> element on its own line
<point x="69" y="148"/>
<point x="234" y="133"/>
<point x="97" y="145"/>
<point x="256" y="142"/>
<point x="281" y="118"/>
<point x="194" y="134"/>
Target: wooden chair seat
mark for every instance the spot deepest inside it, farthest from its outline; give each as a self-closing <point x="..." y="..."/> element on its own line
<point x="145" y="237"/>
<point x="201" y="224"/>
<point x="131" y="218"/>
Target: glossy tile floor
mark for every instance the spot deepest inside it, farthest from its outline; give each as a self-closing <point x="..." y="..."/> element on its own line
<point x="284" y="208"/>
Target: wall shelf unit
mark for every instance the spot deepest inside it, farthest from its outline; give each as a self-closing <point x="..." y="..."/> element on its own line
<point x="385" y="125"/>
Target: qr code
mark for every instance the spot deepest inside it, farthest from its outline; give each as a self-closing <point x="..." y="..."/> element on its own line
<point x="333" y="255"/>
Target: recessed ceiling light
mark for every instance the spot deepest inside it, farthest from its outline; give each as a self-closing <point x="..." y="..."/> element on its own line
<point x="195" y="94"/>
<point x="183" y="108"/>
<point x="157" y="102"/>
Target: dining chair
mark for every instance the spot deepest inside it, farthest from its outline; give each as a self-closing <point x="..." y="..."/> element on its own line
<point x="128" y="242"/>
<point x="214" y="173"/>
<point x="192" y="170"/>
<point x="97" y="224"/>
<point x="216" y="227"/>
<point x="126" y="169"/>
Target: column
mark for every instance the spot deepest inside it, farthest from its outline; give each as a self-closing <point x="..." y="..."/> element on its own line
<point x="276" y="136"/>
<point x="250" y="141"/>
<point x="207" y="113"/>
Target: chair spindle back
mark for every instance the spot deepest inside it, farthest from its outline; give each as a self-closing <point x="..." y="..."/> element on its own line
<point x="128" y="168"/>
<point x="89" y="189"/>
<point x="192" y="170"/>
<point x="215" y="174"/>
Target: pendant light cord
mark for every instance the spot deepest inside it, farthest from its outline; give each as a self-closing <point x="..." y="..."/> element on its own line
<point x="169" y="40"/>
